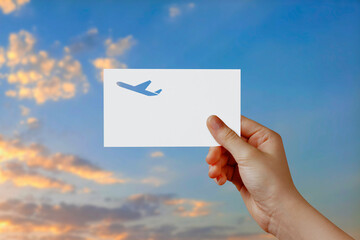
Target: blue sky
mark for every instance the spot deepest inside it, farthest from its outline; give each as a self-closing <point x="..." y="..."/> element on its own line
<point x="300" y="76"/>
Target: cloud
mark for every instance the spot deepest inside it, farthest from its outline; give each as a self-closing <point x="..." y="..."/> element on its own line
<point x="88" y="221"/>
<point x="157" y="154"/>
<point x="85" y="190"/>
<point x="172" y="232"/>
<point x="24" y="111"/>
<point x="174" y="12"/>
<point x="208" y="232"/>
<point x="159" y="169"/>
<point x="69" y="214"/>
<point x="189" y="207"/>
<point x="20" y="48"/>
<point x="113" y="49"/>
<point x="88" y="40"/>
<point x="36" y="156"/>
<point x="133" y="208"/>
<point x="148" y="204"/>
<point x="8" y="6"/>
<point x="32" y="122"/>
<point x="39" y="77"/>
<point x="106" y="63"/>
<point x="2" y="56"/>
<point x="218" y="232"/>
<point x="24" y="226"/>
<point x="119" y="232"/>
<point x="182" y="206"/>
<point x="20" y="177"/>
<point x="118" y="47"/>
<point x="191" y="5"/>
<point x="154" y="181"/>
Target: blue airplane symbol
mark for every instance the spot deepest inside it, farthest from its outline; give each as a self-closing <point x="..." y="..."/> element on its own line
<point x="141" y="88"/>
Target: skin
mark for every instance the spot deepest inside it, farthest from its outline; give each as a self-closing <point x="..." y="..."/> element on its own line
<point x="256" y="164"/>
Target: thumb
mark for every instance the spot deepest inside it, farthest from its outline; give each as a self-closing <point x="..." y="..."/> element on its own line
<point x="227" y="138"/>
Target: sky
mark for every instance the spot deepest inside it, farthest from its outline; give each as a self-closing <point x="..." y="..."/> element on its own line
<point x="300" y="65"/>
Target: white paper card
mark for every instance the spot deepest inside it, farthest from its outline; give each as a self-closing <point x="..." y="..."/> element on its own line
<point x="168" y="107"/>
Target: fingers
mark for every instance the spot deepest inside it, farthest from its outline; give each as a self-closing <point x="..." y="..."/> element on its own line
<point x="213" y="155"/>
<point x="227" y="138"/>
<point x="226" y="174"/>
<point x="215" y="169"/>
<point x="257" y="135"/>
<point x="250" y="127"/>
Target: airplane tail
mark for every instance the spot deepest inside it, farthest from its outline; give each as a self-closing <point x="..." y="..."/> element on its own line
<point x="158" y="91"/>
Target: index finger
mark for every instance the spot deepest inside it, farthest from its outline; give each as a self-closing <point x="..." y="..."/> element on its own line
<point x="250" y="127"/>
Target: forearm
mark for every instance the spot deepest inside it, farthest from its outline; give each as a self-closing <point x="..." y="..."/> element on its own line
<point x="297" y="219"/>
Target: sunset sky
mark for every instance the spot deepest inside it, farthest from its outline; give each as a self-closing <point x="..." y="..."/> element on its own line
<point x="300" y="65"/>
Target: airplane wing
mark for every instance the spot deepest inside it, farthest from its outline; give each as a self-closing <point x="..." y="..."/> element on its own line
<point x="143" y="85"/>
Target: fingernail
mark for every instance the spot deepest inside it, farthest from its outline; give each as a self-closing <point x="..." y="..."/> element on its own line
<point x="215" y="122"/>
<point x="218" y="179"/>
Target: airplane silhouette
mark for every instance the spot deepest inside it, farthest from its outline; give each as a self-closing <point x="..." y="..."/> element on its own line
<point x="141" y="88"/>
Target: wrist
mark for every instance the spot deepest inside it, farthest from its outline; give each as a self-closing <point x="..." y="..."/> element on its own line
<point x="282" y="222"/>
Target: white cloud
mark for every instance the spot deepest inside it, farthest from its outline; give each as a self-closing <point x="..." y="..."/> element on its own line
<point x="174" y="12"/>
<point x="92" y="31"/>
<point x="153" y="181"/>
<point x="191" y="5"/>
<point x="177" y="10"/>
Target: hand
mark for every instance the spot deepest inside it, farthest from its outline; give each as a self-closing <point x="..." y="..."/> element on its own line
<point x="256" y="164"/>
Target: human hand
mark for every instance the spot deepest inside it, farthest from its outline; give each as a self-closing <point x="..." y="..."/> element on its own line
<point x="256" y="164"/>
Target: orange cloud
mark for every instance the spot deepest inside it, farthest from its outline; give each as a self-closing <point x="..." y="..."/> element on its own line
<point x="189" y="207"/>
<point x="113" y="49"/>
<point x="74" y="221"/>
<point x="106" y="63"/>
<point x="183" y="206"/>
<point x="35" y="156"/>
<point x="8" y="6"/>
<point x="119" y="47"/>
<point x="101" y="234"/>
<point x="32" y="122"/>
<point x="24" y="110"/>
<point x="157" y="154"/>
<point x="16" y="173"/>
<point x="2" y="56"/>
<point x="37" y="76"/>
<point x="17" y="225"/>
